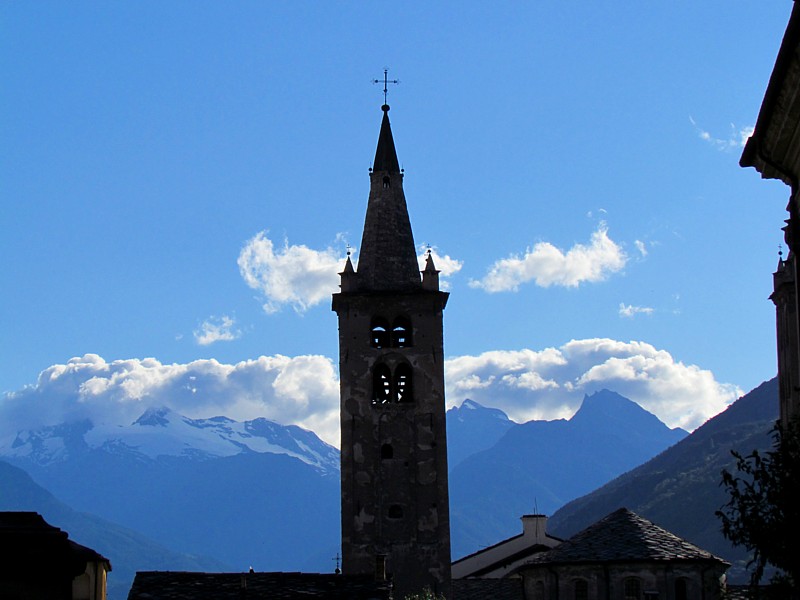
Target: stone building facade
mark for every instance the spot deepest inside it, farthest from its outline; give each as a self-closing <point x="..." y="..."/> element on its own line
<point x="395" y="505"/>
<point x="774" y="151"/>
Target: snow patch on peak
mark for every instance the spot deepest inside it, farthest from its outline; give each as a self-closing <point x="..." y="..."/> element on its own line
<point x="470" y="404"/>
<point x="49" y="444"/>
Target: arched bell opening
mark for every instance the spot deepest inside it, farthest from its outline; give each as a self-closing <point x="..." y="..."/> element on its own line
<point x="382" y="392"/>
<point x="379" y="331"/>
<point x="401" y="333"/>
<point x="403" y="387"/>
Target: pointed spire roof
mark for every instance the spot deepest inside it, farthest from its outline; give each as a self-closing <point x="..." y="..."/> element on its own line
<point x="387" y="258"/>
<point x="429" y="266"/>
<point x="385" y="154"/>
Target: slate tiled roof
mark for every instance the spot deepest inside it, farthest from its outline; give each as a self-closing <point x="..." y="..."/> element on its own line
<point x="175" y="585"/>
<point x="624" y="536"/>
<point x="485" y="589"/>
<point x="387" y="259"/>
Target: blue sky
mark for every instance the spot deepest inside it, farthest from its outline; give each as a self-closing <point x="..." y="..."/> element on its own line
<point x="170" y="169"/>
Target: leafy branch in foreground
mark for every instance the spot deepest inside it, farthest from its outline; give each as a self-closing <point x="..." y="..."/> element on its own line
<point x="763" y="512"/>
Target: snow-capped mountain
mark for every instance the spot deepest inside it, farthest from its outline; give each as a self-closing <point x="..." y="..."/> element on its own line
<point x="252" y="493"/>
<point x="161" y="432"/>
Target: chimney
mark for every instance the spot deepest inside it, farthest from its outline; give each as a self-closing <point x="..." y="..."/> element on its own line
<point x="534" y="527"/>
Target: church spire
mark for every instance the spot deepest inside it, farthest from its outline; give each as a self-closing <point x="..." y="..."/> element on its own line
<point x="387" y="260"/>
<point x="386" y="155"/>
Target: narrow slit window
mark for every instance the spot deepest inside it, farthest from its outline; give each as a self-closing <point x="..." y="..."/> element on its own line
<point x="387" y="452"/>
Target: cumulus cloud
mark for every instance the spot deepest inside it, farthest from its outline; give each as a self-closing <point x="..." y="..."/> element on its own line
<point x="446" y="265"/>
<point x="217" y="329"/>
<point x="547" y="265"/>
<point x="302" y="390"/>
<point x="295" y="276"/>
<point x="736" y="139"/>
<point x="629" y="311"/>
<point x="550" y="383"/>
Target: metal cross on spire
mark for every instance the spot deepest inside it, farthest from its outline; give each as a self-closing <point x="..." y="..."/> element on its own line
<point x="386" y="82"/>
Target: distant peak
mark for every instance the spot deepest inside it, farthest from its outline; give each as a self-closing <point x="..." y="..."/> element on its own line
<point x="155" y="416"/>
<point x="605" y="405"/>
<point x="474" y="410"/>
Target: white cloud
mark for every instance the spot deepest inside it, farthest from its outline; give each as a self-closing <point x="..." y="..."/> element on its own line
<point x="446" y="265"/>
<point x="303" y="390"/>
<point x="641" y="247"/>
<point x="737" y="136"/>
<point x="551" y="383"/>
<point x="629" y="311"/>
<point x="547" y="265"/>
<point x="290" y="275"/>
<point x="217" y="329"/>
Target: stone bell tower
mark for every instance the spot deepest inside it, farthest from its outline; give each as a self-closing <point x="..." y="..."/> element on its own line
<point x="395" y="507"/>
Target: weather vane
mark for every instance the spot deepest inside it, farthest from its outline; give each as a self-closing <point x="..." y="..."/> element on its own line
<point x="386" y="82"/>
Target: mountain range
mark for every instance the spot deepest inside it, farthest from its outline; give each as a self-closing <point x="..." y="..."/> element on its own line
<point x="679" y="489"/>
<point x="540" y="465"/>
<point x="221" y="494"/>
<point x="128" y="550"/>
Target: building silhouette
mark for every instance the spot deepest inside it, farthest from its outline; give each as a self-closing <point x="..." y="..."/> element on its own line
<point x="395" y="506"/>
<point x="774" y="151"/>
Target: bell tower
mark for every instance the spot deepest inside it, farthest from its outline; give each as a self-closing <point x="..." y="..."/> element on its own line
<point x="395" y="506"/>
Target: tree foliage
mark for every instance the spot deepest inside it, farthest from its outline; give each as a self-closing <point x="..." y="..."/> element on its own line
<point x="426" y="594"/>
<point x="763" y="512"/>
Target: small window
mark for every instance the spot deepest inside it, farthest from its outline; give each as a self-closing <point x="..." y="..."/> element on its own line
<point x="680" y="589"/>
<point x="538" y="591"/>
<point x="382" y="385"/>
<point x="387" y="183"/>
<point x="395" y="511"/>
<point x="401" y="333"/>
<point x="380" y="333"/>
<point x="402" y="384"/>
<point x="581" y="589"/>
<point x="387" y="452"/>
<point x="632" y="588"/>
